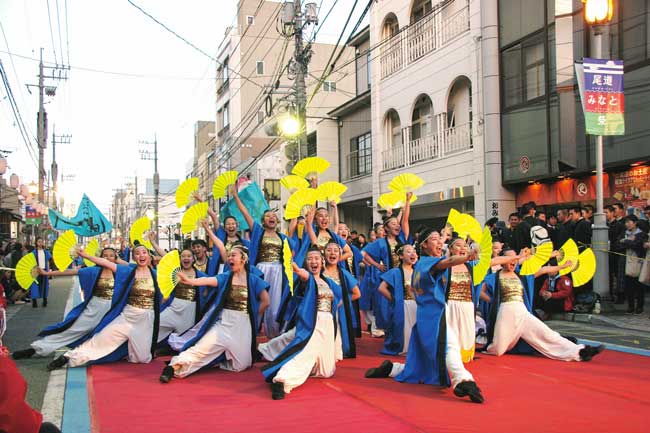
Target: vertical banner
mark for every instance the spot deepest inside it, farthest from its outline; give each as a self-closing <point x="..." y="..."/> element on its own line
<point x="603" y="99"/>
<point x="32" y="216"/>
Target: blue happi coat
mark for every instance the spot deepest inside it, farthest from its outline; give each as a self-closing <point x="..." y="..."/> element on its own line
<point x="223" y="236"/>
<point x="305" y="325"/>
<point x="124" y="278"/>
<point x="347" y="318"/>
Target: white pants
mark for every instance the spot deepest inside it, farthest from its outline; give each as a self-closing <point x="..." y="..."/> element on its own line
<point x="461" y="318"/>
<point x="514" y="321"/>
<point x="85" y="323"/>
<point x="453" y="361"/>
<point x="178" y="317"/>
<point x="410" y="314"/>
<point x="134" y="325"/>
<point x="177" y="340"/>
<point x="231" y="335"/>
<point x="369" y="317"/>
<point x="273" y="273"/>
<point x="272" y="348"/>
<point x="318" y="358"/>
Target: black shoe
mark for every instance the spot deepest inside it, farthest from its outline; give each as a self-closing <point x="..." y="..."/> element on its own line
<point x="166" y="351"/>
<point x="277" y="391"/>
<point x="469" y="389"/>
<point x="44" y="302"/>
<point x="48" y="427"/>
<point x="22" y="354"/>
<point x="167" y="374"/>
<point x="34" y="303"/>
<point x="57" y="363"/>
<point x="382" y="371"/>
<point x="589" y="352"/>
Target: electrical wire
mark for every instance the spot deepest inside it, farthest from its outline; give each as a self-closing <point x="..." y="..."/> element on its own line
<point x="49" y="19"/>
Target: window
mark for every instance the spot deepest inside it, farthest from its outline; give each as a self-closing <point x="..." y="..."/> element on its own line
<point x="523" y="72"/>
<point x="271" y="189"/>
<point x="260" y="67"/>
<point x="260" y="117"/>
<point x="312" y="148"/>
<point x="420" y="9"/>
<point x="226" y="72"/>
<point x="210" y="162"/>
<point x="250" y="20"/>
<point x="360" y="159"/>
<point x="226" y="115"/>
<point x="329" y="86"/>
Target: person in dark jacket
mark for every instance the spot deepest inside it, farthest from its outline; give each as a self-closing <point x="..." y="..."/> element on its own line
<point x="582" y="228"/>
<point x="618" y="232"/>
<point x="632" y="242"/>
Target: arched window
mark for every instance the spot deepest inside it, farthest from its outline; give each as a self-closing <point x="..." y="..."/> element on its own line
<point x="422" y="118"/>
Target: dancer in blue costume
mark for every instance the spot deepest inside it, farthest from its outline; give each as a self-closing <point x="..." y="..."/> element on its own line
<point x="228" y="233"/>
<point x="317" y="223"/>
<point x="41" y="287"/>
<point x="350" y="292"/>
<point x="513" y="327"/>
<point x="380" y="256"/>
<point x="396" y="288"/>
<point x="130" y="328"/>
<point x="316" y="347"/>
<point x="97" y="286"/>
<point x="267" y="252"/>
<point x="228" y="336"/>
<point x="352" y="265"/>
<point x="434" y="352"/>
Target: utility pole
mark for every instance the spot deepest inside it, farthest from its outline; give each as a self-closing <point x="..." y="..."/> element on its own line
<point x="41" y="128"/>
<point x="54" y="170"/>
<point x="147" y="156"/>
<point x="300" y="63"/>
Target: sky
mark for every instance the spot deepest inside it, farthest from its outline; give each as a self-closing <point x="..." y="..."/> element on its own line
<point x="129" y="79"/>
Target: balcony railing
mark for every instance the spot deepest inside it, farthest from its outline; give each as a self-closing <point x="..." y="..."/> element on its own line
<point x="420" y="38"/>
<point x="430" y="147"/>
<point x="358" y="164"/>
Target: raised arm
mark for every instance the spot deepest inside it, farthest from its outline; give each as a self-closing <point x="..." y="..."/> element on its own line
<point x="100" y="261"/>
<point x="544" y="270"/>
<point x="65" y="273"/>
<point x="406" y="213"/>
<point x="241" y="207"/>
<point x="216" y="241"/>
<point x="154" y="244"/>
<point x="215" y="218"/>
<point x="451" y="261"/>
<point x="302" y="273"/>
<point x="309" y="226"/>
<point x="334" y="210"/>
<point x="293" y="225"/>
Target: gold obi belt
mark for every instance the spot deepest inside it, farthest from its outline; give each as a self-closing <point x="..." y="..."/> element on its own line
<point x="185" y="292"/>
<point x="142" y="293"/>
<point x="104" y="288"/>
<point x="460" y="287"/>
<point x="237" y="298"/>
<point x="270" y="250"/>
<point x="511" y="289"/>
<point x="325" y="298"/>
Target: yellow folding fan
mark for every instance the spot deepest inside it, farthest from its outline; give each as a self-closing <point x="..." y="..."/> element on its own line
<point x="92" y="249"/>
<point x="568" y="252"/>
<point x="310" y="167"/>
<point x="331" y="191"/>
<point x="293" y="183"/>
<point x="480" y="270"/>
<point x="193" y="216"/>
<point x="407" y="182"/>
<point x="26" y="271"/>
<point x="221" y="184"/>
<point x="288" y="267"/>
<point x="167" y="272"/>
<point x="394" y="200"/>
<point x="138" y="229"/>
<point x="465" y="225"/>
<point x="298" y="200"/>
<point x="186" y="191"/>
<point x="64" y="250"/>
<point x="585" y="269"/>
<point x="540" y="258"/>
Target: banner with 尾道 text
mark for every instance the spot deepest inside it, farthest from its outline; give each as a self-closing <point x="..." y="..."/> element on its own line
<point x="604" y="102"/>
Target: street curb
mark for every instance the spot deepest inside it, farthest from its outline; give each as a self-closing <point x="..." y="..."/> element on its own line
<point x="597" y="319"/>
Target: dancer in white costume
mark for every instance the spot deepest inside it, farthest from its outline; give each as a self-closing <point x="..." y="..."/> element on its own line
<point x="228" y="336"/>
<point x="96" y="283"/>
<point x="513" y="295"/>
<point x="130" y="327"/>
<point x="316" y="346"/>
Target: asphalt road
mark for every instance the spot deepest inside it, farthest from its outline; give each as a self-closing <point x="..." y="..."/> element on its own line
<point x="23" y="326"/>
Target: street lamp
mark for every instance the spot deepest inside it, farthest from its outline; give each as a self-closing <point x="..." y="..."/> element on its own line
<point x="598" y="13"/>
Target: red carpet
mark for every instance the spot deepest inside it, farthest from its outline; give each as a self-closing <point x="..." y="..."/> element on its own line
<point x="523" y="394"/>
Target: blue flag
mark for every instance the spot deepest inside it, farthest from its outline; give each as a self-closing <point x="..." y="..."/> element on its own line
<point x="89" y="221"/>
<point x="253" y="199"/>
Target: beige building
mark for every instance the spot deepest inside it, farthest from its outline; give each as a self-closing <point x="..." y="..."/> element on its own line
<point x="254" y="55"/>
<point x="203" y="162"/>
